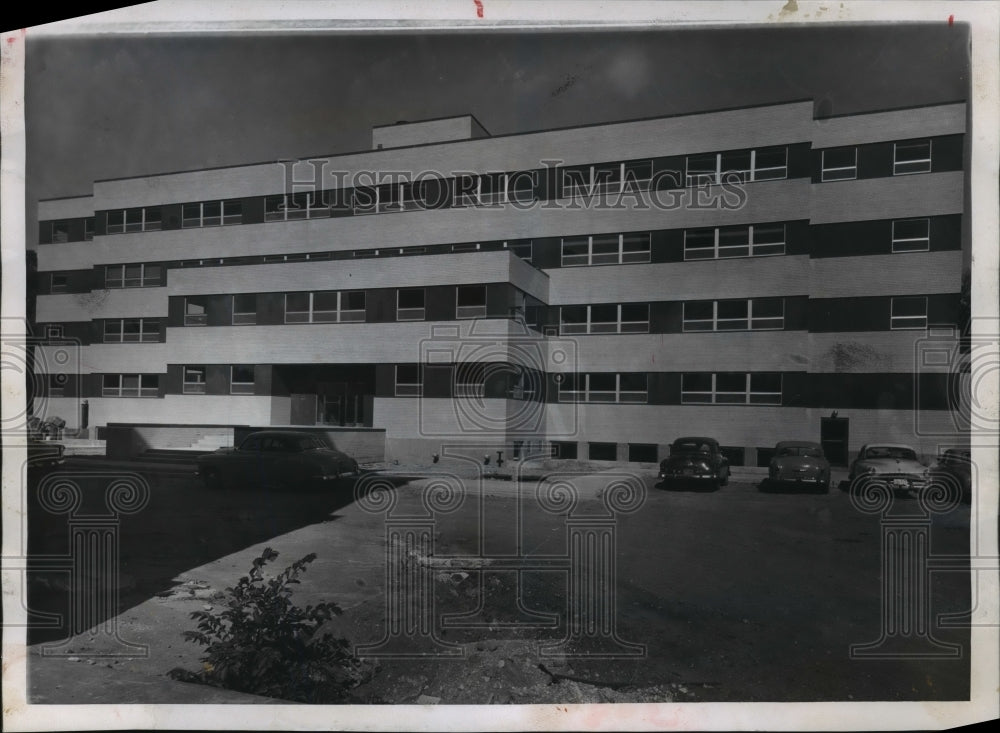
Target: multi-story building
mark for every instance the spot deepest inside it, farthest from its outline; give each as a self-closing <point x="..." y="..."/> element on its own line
<point x="753" y="274"/>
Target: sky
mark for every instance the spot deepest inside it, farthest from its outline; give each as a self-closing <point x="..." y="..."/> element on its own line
<point x="116" y="106"/>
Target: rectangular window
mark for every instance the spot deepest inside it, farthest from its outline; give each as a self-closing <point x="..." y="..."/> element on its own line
<point x="758" y="314"/>
<point x="520" y="247"/>
<point x="470" y="301"/>
<point x="606" y="249"/>
<point x="196" y="311"/>
<point x="612" y="318"/>
<point x="132" y="276"/>
<point x="731" y="388"/>
<point x="410" y="304"/>
<point x="194" y="380"/>
<point x="602" y="451"/>
<point x="132" y="330"/>
<point x="757" y="240"/>
<point x="761" y="164"/>
<point x="130" y="385"/>
<point x="88" y="228"/>
<point x="839" y="164"/>
<point x="212" y="213"/>
<point x="642" y="453"/>
<point x="116" y="222"/>
<point x="58" y="283"/>
<point x="142" y="219"/>
<point x="911" y="157"/>
<point x="603" y="387"/>
<point x="352" y="306"/>
<point x="408" y="382"/>
<point x="911" y="235"/>
<point x="60" y="231"/>
<point x="298" y="205"/>
<point x="908" y="312"/>
<point x="244" y="309"/>
<point x="589" y="180"/>
<point x="564" y="449"/>
<point x="325" y="306"/>
<point x="241" y="380"/>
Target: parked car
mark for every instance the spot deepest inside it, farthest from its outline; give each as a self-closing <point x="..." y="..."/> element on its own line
<point x="798" y="463"/>
<point x="893" y="464"/>
<point x="954" y="469"/>
<point x="276" y="458"/>
<point x="695" y="460"/>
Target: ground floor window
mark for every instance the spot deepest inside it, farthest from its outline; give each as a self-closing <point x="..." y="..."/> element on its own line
<point x="563" y="449"/>
<point x="603" y="451"/>
<point x="642" y="452"/>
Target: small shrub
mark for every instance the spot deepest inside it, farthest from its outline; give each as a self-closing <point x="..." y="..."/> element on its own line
<point x="262" y="644"/>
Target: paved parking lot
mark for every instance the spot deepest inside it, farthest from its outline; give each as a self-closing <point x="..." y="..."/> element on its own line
<point x="735" y="593"/>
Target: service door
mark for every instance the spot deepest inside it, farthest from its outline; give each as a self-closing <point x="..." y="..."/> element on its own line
<point x="303" y="409"/>
<point x="833" y="434"/>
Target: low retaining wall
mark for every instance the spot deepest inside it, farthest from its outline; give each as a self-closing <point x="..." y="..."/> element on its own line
<point x="128" y="440"/>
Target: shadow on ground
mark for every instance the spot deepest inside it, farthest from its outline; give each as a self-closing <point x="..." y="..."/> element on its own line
<point x="183" y="526"/>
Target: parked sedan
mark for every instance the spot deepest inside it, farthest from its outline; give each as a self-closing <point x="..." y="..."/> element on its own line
<point x="954" y="469"/>
<point x="799" y="463"/>
<point x="893" y="464"/>
<point x="695" y="460"/>
<point x="276" y="458"/>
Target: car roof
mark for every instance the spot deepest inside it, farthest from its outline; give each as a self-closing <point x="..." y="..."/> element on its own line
<point x="696" y="439"/>
<point x="889" y="445"/>
<point x="796" y="444"/>
<point x="281" y="433"/>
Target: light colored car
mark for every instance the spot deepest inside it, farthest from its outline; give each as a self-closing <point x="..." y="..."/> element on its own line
<point x="798" y="463"/>
<point x="276" y="458"/>
<point x="893" y="464"/>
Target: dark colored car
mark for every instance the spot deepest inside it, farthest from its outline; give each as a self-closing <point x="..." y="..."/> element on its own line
<point x="276" y="458"/>
<point x="696" y="461"/>
<point x="954" y="470"/>
<point x="798" y="463"/>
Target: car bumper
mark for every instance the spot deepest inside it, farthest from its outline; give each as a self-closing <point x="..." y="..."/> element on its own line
<point x="682" y="476"/>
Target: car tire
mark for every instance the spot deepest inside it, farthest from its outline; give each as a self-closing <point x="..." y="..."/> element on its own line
<point x="824" y="487"/>
<point x="210" y="477"/>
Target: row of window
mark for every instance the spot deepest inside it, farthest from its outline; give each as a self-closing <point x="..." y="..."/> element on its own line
<point x="148" y="385"/>
<point x="747" y="314"/>
<point x="911" y="156"/>
<point x="338" y="306"/>
<point x="754" y="240"/>
<point x="615" y="177"/>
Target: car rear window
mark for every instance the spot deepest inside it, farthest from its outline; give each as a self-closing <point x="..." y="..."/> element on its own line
<point x="690" y="446"/>
<point x="902" y="454"/>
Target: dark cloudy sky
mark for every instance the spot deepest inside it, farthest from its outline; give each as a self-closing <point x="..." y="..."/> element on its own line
<point x="113" y="106"/>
